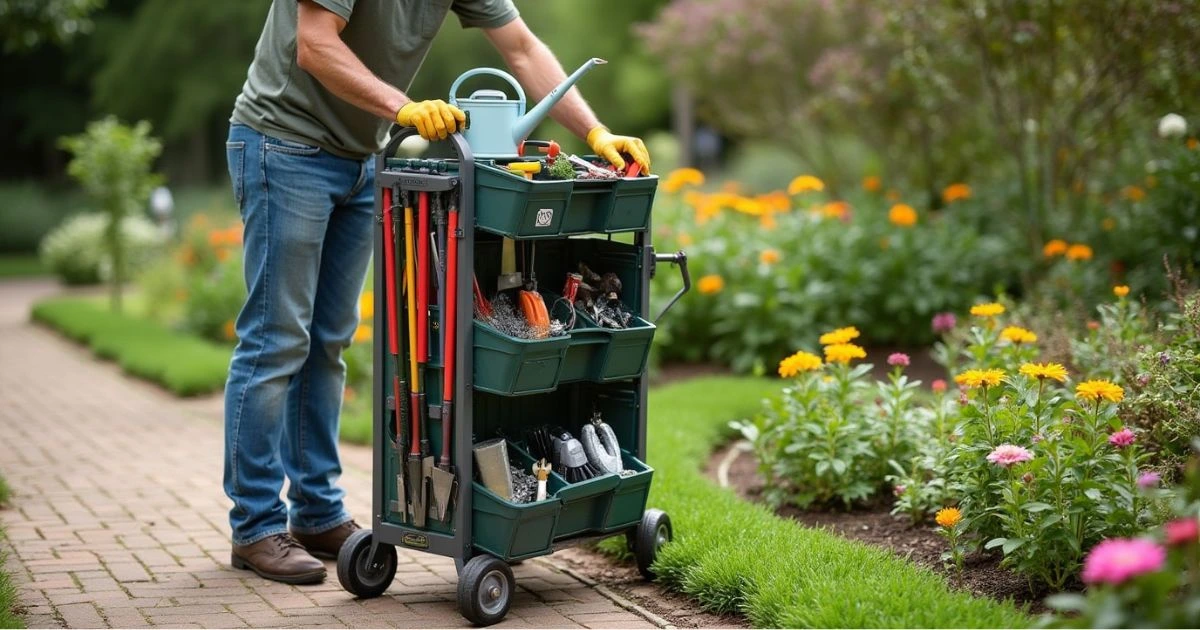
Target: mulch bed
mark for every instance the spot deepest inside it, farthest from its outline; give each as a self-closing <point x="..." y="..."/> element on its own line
<point x="874" y="525"/>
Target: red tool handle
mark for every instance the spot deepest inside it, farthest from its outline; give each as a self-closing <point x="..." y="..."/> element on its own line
<point x="422" y="244"/>
<point x="389" y="271"/>
<point x="449" y="333"/>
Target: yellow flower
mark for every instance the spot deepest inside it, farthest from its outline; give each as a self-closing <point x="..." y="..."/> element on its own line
<point x="805" y="183"/>
<point x="681" y="177"/>
<point x="834" y="209"/>
<point x="979" y="378"/>
<point x="362" y="333"/>
<point x="948" y="517"/>
<point x="1079" y="251"/>
<point x="987" y="310"/>
<point x="228" y="330"/>
<point x="871" y="183"/>
<point x="841" y="335"/>
<point x="799" y="362"/>
<point x="955" y="192"/>
<point x="1056" y="247"/>
<point x="366" y="305"/>
<point x="1193" y="143"/>
<point x="1018" y="335"/>
<point x="844" y="353"/>
<point x="775" y="200"/>
<point x="711" y="284"/>
<point x="1095" y="390"/>
<point x="770" y="256"/>
<point x="1120" y="290"/>
<point x="902" y="215"/>
<point x="1041" y="371"/>
<point x="750" y="206"/>
<point x="1108" y="224"/>
<point x="1133" y="193"/>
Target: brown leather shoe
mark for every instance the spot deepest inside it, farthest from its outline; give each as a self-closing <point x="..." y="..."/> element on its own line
<point x="328" y="543"/>
<point x="280" y="558"/>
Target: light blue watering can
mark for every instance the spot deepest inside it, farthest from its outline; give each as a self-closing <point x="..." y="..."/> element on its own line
<point x="497" y="124"/>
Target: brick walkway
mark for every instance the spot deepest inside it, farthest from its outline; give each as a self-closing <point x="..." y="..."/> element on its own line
<point x="118" y="518"/>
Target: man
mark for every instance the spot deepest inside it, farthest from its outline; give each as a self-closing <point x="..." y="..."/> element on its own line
<point x="325" y="85"/>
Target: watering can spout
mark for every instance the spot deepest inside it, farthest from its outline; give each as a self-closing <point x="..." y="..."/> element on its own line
<point x="525" y="124"/>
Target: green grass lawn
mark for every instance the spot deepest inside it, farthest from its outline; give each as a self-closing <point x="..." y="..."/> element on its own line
<point x="8" y="592"/>
<point x="183" y="363"/>
<point x="735" y="556"/>
<point x="21" y="266"/>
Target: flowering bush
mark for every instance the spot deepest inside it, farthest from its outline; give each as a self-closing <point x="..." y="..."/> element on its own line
<point x="76" y="251"/>
<point x="772" y="267"/>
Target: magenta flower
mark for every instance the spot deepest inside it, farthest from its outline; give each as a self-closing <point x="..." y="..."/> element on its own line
<point x="944" y="322"/>
<point x="1008" y="454"/>
<point x="1119" y="559"/>
<point x="1148" y="480"/>
<point x="899" y="490"/>
<point x="1182" y="531"/>
<point x="898" y="359"/>
<point x="1122" y="438"/>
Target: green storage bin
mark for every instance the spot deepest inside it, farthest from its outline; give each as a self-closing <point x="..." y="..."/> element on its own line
<point x="633" y="197"/>
<point x="585" y="505"/>
<point x="511" y="366"/>
<point x="509" y="204"/>
<point x="512" y="531"/>
<point x="629" y="497"/>
<point x="625" y="352"/>
<point x="591" y="204"/>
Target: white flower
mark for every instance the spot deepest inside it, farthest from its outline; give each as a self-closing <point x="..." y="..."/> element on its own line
<point x="1172" y="126"/>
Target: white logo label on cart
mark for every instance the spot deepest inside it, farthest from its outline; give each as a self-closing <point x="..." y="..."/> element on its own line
<point x="544" y="217"/>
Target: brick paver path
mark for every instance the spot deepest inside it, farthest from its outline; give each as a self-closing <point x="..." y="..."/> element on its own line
<point x="118" y="517"/>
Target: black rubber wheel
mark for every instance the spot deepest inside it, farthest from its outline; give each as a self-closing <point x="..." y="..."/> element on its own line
<point x="485" y="590"/>
<point x="652" y="533"/>
<point x="631" y="539"/>
<point x="356" y="575"/>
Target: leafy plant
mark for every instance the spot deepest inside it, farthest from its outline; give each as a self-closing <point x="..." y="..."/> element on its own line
<point x="112" y="162"/>
<point x="76" y="252"/>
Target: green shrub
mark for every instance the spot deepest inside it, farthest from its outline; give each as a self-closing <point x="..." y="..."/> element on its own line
<point x="76" y="253"/>
<point x="180" y="362"/>
<point x="28" y="211"/>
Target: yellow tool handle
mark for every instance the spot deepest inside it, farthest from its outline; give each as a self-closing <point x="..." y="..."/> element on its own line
<point x="410" y="266"/>
<point x="525" y="168"/>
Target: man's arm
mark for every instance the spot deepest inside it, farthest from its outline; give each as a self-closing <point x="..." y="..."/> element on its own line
<point x="321" y="52"/>
<point x="539" y="72"/>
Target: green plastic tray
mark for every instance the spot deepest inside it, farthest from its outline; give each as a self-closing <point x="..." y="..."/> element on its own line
<point x="509" y="204"/>
<point x="629" y="497"/>
<point x="511" y="531"/>
<point x="511" y="366"/>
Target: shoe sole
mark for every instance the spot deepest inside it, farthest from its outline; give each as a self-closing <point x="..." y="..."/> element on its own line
<point x="303" y="578"/>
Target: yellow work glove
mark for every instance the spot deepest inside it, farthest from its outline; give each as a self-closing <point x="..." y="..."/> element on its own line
<point x="610" y="147"/>
<point x="434" y="120"/>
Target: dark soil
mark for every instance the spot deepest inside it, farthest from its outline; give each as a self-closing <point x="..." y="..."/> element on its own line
<point x="623" y="578"/>
<point x="874" y="525"/>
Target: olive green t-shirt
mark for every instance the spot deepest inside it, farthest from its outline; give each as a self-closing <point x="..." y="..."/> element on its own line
<point x="391" y="37"/>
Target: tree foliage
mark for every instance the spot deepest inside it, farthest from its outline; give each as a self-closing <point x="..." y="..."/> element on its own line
<point x="26" y="24"/>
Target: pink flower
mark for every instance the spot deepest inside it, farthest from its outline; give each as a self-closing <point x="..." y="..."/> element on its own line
<point x="1008" y="454"/>
<point x="944" y="322"/>
<point x="1122" y="438"/>
<point x="1116" y="560"/>
<point x="1148" y="480"/>
<point x="938" y="385"/>
<point x="1037" y="437"/>
<point x="899" y="490"/>
<point x="898" y="359"/>
<point x="1182" y="531"/>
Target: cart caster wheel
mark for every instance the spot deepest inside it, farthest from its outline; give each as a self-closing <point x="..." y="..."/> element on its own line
<point x="485" y="590"/>
<point x="652" y="533"/>
<point x="356" y="575"/>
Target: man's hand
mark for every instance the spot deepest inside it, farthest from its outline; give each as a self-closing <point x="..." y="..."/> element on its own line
<point x="434" y="120"/>
<point x="610" y="147"/>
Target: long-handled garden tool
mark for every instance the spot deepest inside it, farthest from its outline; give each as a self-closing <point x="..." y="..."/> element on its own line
<point x="398" y="383"/>
<point x="443" y="475"/>
<point x="423" y="216"/>
<point x="416" y="486"/>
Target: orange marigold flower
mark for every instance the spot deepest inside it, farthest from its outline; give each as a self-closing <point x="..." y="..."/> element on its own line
<point x="1120" y="290"/>
<point x="1193" y="143"/>
<point x="1079" y="251"/>
<point x="841" y="335"/>
<point x="872" y="183"/>
<point x="835" y="209"/>
<point x="228" y="330"/>
<point x="362" y="333"/>
<point x="366" y="304"/>
<point x="844" y="353"/>
<point x="956" y="192"/>
<point x="902" y="215"/>
<point x="1133" y="193"/>
<point x="805" y="183"/>
<point x="799" y="362"/>
<point x="991" y="309"/>
<point x="1056" y="247"/>
<point x="1042" y="371"/>
<point x="1093" y="325"/>
<point x="770" y="256"/>
<point x="710" y="284"/>
<point x="1018" y="335"/>
<point x="1100" y="389"/>
<point x="677" y="179"/>
<point x="767" y="221"/>
<point x="948" y="517"/>
<point x="776" y="200"/>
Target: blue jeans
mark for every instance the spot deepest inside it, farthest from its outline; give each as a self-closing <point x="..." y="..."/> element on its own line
<point x="308" y="219"/>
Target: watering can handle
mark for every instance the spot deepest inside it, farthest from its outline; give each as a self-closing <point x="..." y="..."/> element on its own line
<point x="489" y="71"/>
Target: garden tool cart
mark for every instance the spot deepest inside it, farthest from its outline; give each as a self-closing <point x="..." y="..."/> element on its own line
<point x="509" y="386"/>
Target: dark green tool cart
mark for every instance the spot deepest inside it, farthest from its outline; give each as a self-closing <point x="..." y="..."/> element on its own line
<point x="454" y="387"/>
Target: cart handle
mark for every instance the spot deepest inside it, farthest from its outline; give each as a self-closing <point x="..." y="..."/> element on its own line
<point x="678" y="258"/>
